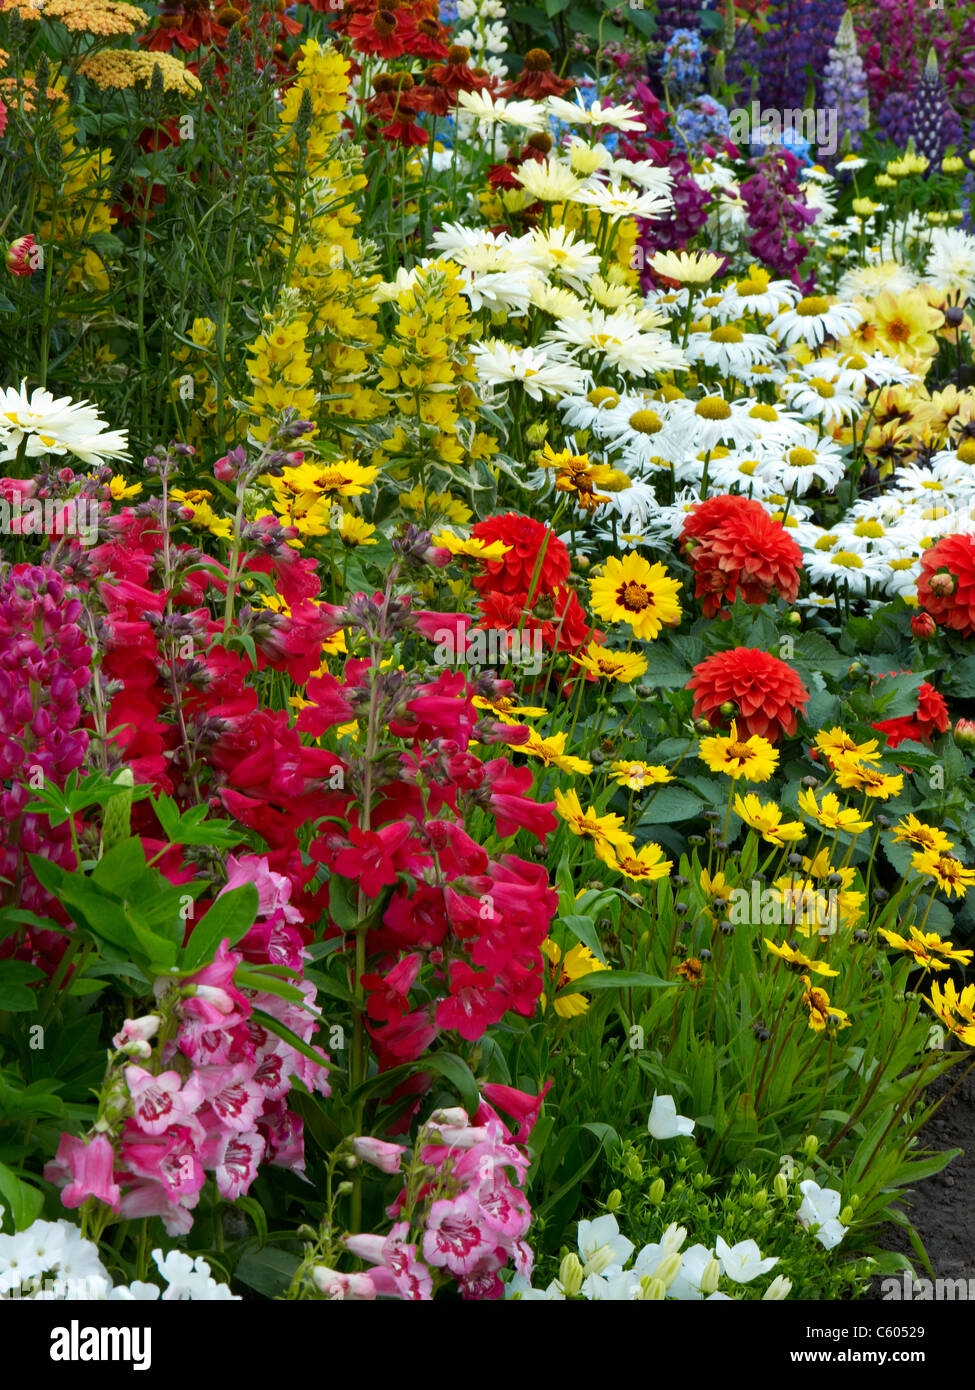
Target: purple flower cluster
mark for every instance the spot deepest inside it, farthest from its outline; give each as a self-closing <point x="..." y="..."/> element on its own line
<point x="776" y="207"/>
<point x="701" y="122"/>
<point x="956" y="50"/>
<point x="684" y="221"/>
<point x="934" y="122"/>
<point x="44" y="666"/>
<point x="892" y="35"/>
<point x="799" y="36"/>
<point x="844" y="86"/>
<point x="894" y="118"/>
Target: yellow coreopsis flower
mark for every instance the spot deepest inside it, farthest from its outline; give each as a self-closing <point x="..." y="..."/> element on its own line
<point x="552" y="752"/>
<point x="948" y="1003"/>
<point x="608" y="665"/>
<point x="637" y="775"/>
<point x="912" y="831"/>
<point x="753" y="758"/>
<point x="948" y="872"/>
<point x="633" y="591"/>
<point x="852" y="775"/>
<point x="823" y="1015"/>
<point x="766" y="818"/>
<point x="203" y="517"/>
<point x="570" y="966"/>
<point x="830" y="814"/>
<point x="120" y="489"/>
<point x="645" y="866"/>
<point x="472" y="547"/>
<point x="606" y="832"/>
<point x="797" y="961"/>
<point x="927" y="947"/>
<point x="836" y="741"/>
<point x="354" y="531"/>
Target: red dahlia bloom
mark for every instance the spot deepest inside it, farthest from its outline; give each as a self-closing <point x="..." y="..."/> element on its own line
<point x="766" y="692"/>
<point x="930" y="716"/>
<point x="946" y="586"/>
<point x="512" y="574"/>
<point x="737" y="548"/>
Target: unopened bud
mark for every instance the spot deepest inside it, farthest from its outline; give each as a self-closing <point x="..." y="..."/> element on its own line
<point x="614" y="1199"/>
<point x="651" y="1290"/>
<point x="780" y="1186"/>
<point x="668" y="1269"/>
<point x="570" y="1274"/>
<point x="709" y="1279"/>
<point x="810" y="1146"/>
<point x="656" y="1194"/>
<point x="779" y="1289"/>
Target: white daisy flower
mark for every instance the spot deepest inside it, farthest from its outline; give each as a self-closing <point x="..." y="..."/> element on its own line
<point x="44" y="424"/>
<point x="541" y="374"/>
<point x="730" y="350"/>
<point x="624" y="117"/>
<point x="548" y="181"/>
<point x="812" y="320"/>
<point x="814" y="461"/>
<point x="530" y="115"/>
<point x="951" y="262"/>
<point x="561" y="253"/>
<point x="756" y="294"/>
<point x="816" y="398"/>
<point x="618" y="339"/>
<point x="614" y="201"/>
<point x="845" y="567"/>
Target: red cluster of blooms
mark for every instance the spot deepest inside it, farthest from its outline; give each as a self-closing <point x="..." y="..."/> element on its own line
<point x="527" y="589"/>
<point x="946" y="586"/>
<point x="736" y="548"/>
<point x="766" y="693"/>
<point x="930" y="716"/>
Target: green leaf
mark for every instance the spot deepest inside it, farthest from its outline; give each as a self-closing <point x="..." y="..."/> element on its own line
<point x="671" y="804"/>
<point x="341" y="904"/>
<point x="231" y="916"/>
<point x="281" y="1030"/>
<point x="613" y="979"/>
<point x="16" y="977"/>
<point x="24" y="1201"/>
<point x="455" y="1070"/>
<point x="269" y="1271"/>
<point x="584" y="928"/>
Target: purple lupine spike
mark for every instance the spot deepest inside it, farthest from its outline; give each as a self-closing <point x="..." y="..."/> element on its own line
<point x="844" y="85"/>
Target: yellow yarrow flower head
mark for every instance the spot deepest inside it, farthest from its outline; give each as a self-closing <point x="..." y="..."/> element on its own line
<point x="633" y="591"/>
<point x="753" y="758"/>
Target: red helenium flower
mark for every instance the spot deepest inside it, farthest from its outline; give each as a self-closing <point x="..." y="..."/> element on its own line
<point x="767" y="693"/>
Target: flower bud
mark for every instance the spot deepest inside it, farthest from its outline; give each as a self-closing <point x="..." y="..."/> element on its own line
<point x="923" y="626"/>
<point x="668" y="1269"/>
<point x="386" y="1157"/>
<point x="760" y="1199"/>
<point x="810" y="1146"/>
<point x="943" y="584"/>
<point x="614" y="1199"/>
<point x="780" y="1186"/>
<point x="651" y="1290"/>
<point x="22" y="256"/>
<point x="344" y="1189"/>
<point x="846" y="1216"/>
<point x="779" y="1289"/>
<point x="964" y="734"/>
<point x="710" y="1277"/>
<point x="728" y="709"/>
<point x="570" y="1274"/>
<point x="600" y="1259"/>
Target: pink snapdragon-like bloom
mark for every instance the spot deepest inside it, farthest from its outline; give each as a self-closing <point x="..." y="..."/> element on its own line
<point x="455" y="1237"/>
<point x="90" y="1167"/>
<point x="387" y="1157"/>
<point x="160" y="1101"/>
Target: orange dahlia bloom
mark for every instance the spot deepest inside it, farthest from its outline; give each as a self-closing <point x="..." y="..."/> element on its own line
<point x="767" y="694"/>
<point x="737" y="548"/>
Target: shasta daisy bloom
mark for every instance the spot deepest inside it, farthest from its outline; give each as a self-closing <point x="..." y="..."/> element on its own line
<point x="956" y="1010"/>
<point x="638" y="775"/>
<point x="633" y="591"/>
<point x="811" y="461"/>
<point x="823" y="1016"/>
<point x="912" y="831"/>
<point x="561" y="253"/>
<point x="623" y="117"/>
<point x="645" y="866"/>
<point x="703" y="424"/>
<point x="622" y="339"/>
<point x="605" y="831"/>
<point x="490" y="109"/>
<point x="797" y="961"/>
<point x="730" y="350"/>
<point x="928" y="948"/>
<point x="814" y="319"/>
<point x="615" y="202"/>
<point x="767" y="693"/>
<point x="609" y="665"/>
<point x="814" y="397"/>
<point x="766" y="818"/>
<point x="569" y="966"/>
<point x="757" y="294"/>
<point x="751" y="756"/>
<point x="687" y="267"/>
<point x="830" y="814"/>
<point x="541" y="374"/>
<point x="853" y="775"/>
<point x="548" y="181"/>
<point x="948" y="872"/>
<point x="44" y="424"/>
